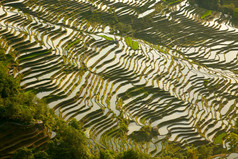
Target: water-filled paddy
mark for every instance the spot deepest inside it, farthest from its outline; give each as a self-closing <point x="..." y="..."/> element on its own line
<point x="116" y="64"/>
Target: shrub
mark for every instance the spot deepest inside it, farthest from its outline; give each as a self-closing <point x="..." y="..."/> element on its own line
<point x="235" y="13"/>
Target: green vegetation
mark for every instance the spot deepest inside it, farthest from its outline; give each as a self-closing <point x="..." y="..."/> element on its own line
<point x="70" y="141"/>
<point x="72" y="44"/>
<point x="205" y="151"/>
<point x="25" y="153"/>
<point x="145" y="134"/>
<point x="205" y="82"/>
<point x="235" y="13"/>
<point x="207" y="13"/>
<point x="133" y="44"/>
<point x="107" y="38"/>
<point x="106" y="154"/>
<point x="173" y="150"/>
<point x="124" y="28"/>
<point x="123" y="129"/>
<point x="219" y="138"/>
<point x="172" y="1"/>
<point x="16" y="104"/>
<point x="131" y="154"/>
<point x="233" y="141"/>
<point x="225" y="6"/>
<point x="40" y="53"/>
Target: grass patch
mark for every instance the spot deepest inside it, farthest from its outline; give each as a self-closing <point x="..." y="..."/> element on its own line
<point x="106" y="37"/>
<point x="172" y="1"/>
<point x="206" y="14"/>
<point x="218" y="139"/>
<point x="133" y="44"/>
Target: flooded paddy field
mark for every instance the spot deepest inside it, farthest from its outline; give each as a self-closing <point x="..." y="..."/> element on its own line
<point x="120" y="66"/>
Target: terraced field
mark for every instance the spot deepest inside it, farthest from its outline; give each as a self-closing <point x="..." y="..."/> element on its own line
<point x="119" y="65"/>
<point x="13" y="136"/>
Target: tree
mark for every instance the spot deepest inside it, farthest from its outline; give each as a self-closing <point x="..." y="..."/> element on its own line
<point x="75" y="124"/>
<point x="41" y="155"/>
<point x="192" y="153"/>
<point x="131" y="154"/>
<point x="69" y="143"/>
<point x="23" y="153"/>
<point x="205" y="151"/>
<point x="235" y="13"/>
<point x="106" y="154"/>
<point x="233" y="142"/>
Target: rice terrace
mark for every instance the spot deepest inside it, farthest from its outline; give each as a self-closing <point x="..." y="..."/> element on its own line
<point x="126" y="79"/>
